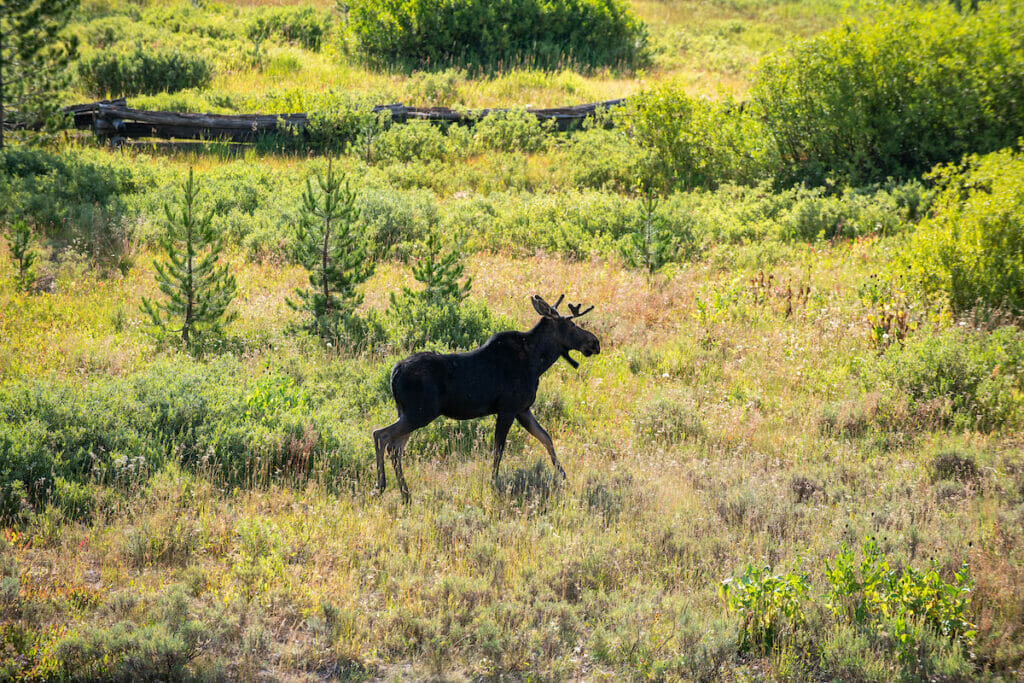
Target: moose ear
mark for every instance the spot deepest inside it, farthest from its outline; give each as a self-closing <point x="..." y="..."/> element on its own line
<point x="542" y="307"/>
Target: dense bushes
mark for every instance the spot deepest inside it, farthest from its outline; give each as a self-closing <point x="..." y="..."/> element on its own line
<point x="142" y="71"/>
<point x="967" y="379"/>
<point x="687" y="143"/>
<point x="204" y="416"/>
<point x="970" y="251"/>
<point x="299" y="25"/>
<point x="432" y="33"/>
<point x="922" y="84"/>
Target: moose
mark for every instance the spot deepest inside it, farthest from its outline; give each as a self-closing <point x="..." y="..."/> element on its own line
<point x="499" y="378"/>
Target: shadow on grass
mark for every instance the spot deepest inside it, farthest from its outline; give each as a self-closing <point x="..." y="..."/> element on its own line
<point x="531" y="487"/>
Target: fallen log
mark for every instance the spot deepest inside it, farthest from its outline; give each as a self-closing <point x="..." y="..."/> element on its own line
<point x="113" y="119"/>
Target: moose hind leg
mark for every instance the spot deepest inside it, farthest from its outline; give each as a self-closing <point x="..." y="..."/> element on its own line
<point x="397" y="447"/>
<point x="528" y="421"/>
<point x="388" y="439"/>
<point x="380" y="444"/>
<point x="501" y="426"/>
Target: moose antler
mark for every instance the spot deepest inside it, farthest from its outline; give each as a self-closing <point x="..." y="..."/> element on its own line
<point x="549" y="311"/>
<point x="576" y="310"/>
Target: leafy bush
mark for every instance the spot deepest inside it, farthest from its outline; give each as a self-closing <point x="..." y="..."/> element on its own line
<point x="970" y="251"/>
<point x="160" y="649"/>
<point x="416" y="140"/>
<point x="976" y="377"/>
<point x="396" y="221"/>
<point x="205" y="416"/>
<point x="690" y="143"/>
<point x="868" y="592"/>
<point x="142" y="71"/>
<point x="770" y="605"/>
<point x="921" y="84"/>
<point x="601" y="159"/>
<point x="515" y="130"/>
<point x="479" y="33"/>
<point x="300" y="25"/>
<point x="74" y="198"/>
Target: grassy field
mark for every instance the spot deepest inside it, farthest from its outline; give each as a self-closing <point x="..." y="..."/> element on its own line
<point x="762" y="484"/>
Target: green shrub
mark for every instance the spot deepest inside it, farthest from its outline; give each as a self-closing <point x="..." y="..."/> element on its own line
<point x="205" y="416"/>
<point x="868" y="593"/>
<point x="770" y="604"/>
<point x="416" y="140"/>
<point x="977" y="376"/>
<point x="300" y="25"/>
<point x="690" y="143"/>
<point x="970" y="250"/>
<point x="396" y="221"/>
<point x="919" y="85"/>
<point x="142" y="71"/>
<point x="72" y="197"/>
<point x="161" y="649"/>
<point x="477" y="33"/>
<point x="601" y="159"/>
<point x="515" y="130"/>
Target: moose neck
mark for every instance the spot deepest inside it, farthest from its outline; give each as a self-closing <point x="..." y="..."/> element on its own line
<point x="544" y="348"/>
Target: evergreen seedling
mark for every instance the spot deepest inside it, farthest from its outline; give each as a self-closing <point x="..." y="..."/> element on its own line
<point x="334" y="251"/>
<point x="652" y="246"/>
<point x="438" y="313"/>
<point x="198" y="291"/>
<point x="19" y="242"/>
<point x="440" y="274"/>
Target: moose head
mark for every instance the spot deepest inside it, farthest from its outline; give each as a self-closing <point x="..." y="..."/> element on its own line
<point x="566" y="333"/>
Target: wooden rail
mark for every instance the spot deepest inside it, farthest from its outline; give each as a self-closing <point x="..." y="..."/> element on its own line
<point x="113" y="119"/>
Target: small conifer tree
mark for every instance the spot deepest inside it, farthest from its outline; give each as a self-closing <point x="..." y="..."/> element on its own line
<point x="439" y="313"/>
<point x="332" y="248"/>
<point x="19" y="243"/>
<point x="198" y="291"/>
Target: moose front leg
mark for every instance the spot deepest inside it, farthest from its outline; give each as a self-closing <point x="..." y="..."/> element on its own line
<point x="528" y="421"/>
<point x="501" y="426"/>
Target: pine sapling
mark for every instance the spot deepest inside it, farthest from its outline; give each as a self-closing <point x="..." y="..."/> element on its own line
<point x="438" y="313"/>
<point x="19" y="242"/>
<point x="198" y="291"/>
<point x="652" y="246"/>
<point x="331" y="246"/>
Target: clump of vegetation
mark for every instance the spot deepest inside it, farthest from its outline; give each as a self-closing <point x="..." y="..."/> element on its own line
<point x="331" y="246"/>
<point x="142" y="71"/>
<point x="878" y="99"/>
<point x="770" y="604"/>
<point x="923" y="618"/>
<point x="972" y="378"/>
<point x="515" y="130"/>
<point x="440" y="313"/>
<point x="689" y="143"/>
<point x="198" y="291"/>
<point x="970" y="251"/>
<point x="300" y="25"/>
<point x="19" y="243"/>
<point x="479" y="34"/>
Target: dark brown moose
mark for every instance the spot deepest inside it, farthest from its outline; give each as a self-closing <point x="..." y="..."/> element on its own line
<point x="499" y="378"/>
